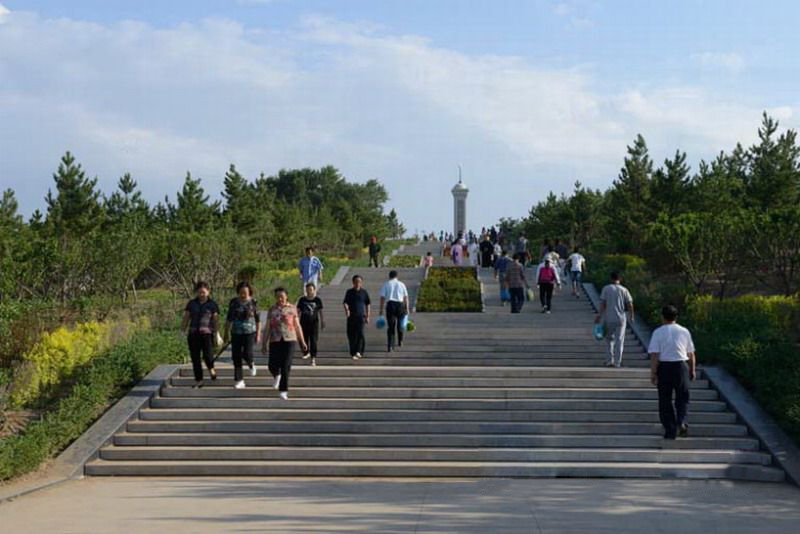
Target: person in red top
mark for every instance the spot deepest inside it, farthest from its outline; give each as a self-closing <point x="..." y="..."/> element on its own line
<point x="547" y="278"/>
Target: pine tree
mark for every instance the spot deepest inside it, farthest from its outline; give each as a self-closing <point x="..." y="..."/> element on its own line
<point x="127" y="202"/>
<point x="239" y="198"/>
<point x="75" y="208"/>
<point x="8" y="210"/>
<point x="629" y="200"/>
<point x="774" y="177"/>
<point x="670" y="185"/>
<point x="193" y="212"/>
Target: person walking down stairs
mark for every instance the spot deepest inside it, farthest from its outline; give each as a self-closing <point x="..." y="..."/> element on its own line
<point x="616" y="305"/>
<point x="312" y="321"/>
<point x="374" y="251"/>
<point x="356" y="308"/>
<point x="283" y="330"/>
<point x="672" y="366"/>
<point x="243" y="329"/>
<point x="500" y="266"/>
<point x="394" y="298"/>
<point x="201" y="323"/>
<point x="310" y="268"/>
<point x="516" y="282"/>
<point x="547" y="278"/>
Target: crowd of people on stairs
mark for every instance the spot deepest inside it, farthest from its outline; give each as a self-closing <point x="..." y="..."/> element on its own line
<point x="671" y="350"/>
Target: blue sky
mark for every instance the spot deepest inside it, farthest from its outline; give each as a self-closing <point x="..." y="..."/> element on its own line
<point x="528" y="96"/>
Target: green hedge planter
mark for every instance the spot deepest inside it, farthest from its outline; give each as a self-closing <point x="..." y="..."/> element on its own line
<point x="450" y="289"/>
<point x="404" y="261"/>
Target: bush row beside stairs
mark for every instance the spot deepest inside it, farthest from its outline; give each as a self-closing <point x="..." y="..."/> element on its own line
<point x="99" y="384"/>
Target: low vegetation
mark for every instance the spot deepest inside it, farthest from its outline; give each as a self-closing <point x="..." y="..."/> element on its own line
<point x="404" y="261"/>
<point x="96" y="386"/>
<point x="450" y="289"/>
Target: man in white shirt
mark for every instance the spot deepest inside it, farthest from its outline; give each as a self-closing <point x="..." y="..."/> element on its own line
<point x="577" y="266"/>
<point x="394" y="297"/>
<point x="672" y="367"/>
<point x="616" y="304"/>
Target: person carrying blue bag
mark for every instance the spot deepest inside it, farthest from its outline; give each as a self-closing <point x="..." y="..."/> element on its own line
<point x="500" y="266"/>
<point x="394" y="298"/>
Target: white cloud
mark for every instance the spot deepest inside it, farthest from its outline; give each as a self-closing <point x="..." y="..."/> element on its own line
<point x="157" y="102"/>
<point x="727" y="61"/>
<point x="3" y="13"/>
<point x="569" y="13"/>
<point x="562" y="10"/>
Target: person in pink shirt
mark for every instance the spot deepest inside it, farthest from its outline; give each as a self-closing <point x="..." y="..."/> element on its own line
<point x="547" y="278"/>
<point x="428" y="260"/>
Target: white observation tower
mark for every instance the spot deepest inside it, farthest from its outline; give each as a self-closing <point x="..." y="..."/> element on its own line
<point x="460" y="192"/>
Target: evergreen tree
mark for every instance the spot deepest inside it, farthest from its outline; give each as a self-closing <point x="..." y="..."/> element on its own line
<point x="193" y="212"/>
<point x="127" y="202"/>
<point x="774" y="177"/>
<point x="670" y="185"/>
<point x="75" y="207"/>
<point x="240" y="207"/>
<point x="629" y="199"/>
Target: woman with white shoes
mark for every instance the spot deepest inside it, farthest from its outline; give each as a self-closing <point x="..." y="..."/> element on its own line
<point x="243" y="329"/>
<point x="281" y="332"/>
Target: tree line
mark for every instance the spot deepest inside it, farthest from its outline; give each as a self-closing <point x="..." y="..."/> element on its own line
<point x="86" y="243"/>
<point x="731" y="226"/>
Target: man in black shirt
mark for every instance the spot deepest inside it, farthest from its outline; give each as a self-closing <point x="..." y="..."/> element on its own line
<point x="356" y="308"/>
<point x="487" y="251"/>
<point x="311" y="320"/>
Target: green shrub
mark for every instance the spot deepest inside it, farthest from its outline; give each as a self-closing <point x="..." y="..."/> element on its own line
<point x="404" y="261"/>
<point x="755" y="339"/>
<point x="97" y="385"/>
<point x="57" y="354"/>
<point x="450" y="289"/>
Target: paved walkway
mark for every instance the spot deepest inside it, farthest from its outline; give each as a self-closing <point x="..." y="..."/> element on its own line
<point x="176" y="505"/>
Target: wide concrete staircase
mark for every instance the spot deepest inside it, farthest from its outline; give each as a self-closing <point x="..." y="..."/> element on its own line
<point x="469" y="395"/>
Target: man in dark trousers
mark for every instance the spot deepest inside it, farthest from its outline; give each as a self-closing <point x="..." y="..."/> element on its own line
<point x="672" y="367"/>
<point x="487" y="250"/>
<point x="356" y="308"/>
<point x="394" y="297"/>
<point x="374" y="251"/>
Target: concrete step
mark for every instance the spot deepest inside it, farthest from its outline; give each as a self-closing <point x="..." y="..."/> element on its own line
<point x="308" y="380"/>
<point x="448" y="372"/>
<point x="496" y="406"/>
<point x="339" y="348"/>
<point x="426" y="427"/>
<point x="210" y="390"/>
<point x="398" y="359"/>
<point x="432" y="454"/>
<point x="644" y="441"/>
<point x="594" y="359"/>
<point x="327" y="414"/>
<point x="438" y="469"/>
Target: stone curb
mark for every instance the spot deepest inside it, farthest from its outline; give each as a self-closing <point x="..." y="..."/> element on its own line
<point x="340" y="274"/>
<point x="395" y="252"/>
<point x="782" y="448"/>
<point x="70" y="463"/>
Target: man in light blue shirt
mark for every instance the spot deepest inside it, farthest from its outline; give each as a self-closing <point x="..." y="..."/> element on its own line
<point x="394" y="297"/>
<point x="310" y="268"/>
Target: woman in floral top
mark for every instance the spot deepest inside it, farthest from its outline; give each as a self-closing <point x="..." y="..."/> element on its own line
<point x="243" y="328"/>
<point x="281" y="331"/>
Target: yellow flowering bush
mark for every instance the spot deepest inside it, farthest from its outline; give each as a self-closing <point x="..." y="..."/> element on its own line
<point x="59" y="353"/>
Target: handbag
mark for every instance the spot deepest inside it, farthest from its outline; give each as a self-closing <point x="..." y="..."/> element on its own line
<point x="505" y="295"/>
